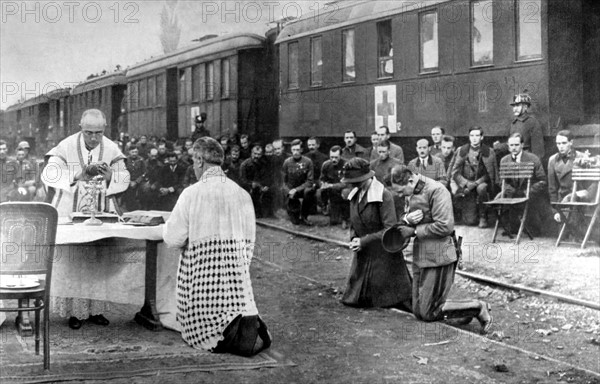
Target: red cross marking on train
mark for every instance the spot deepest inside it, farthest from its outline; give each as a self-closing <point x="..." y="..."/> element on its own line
<point x="385" y="109"/>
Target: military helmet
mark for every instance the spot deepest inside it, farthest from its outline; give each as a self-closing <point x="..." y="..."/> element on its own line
<point x="521" y="98"/>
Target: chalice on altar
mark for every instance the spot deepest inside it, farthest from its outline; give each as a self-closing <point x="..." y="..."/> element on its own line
<point x="94" y="187"/>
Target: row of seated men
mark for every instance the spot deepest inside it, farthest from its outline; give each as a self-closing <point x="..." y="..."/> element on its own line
<point x="305" y="184"/>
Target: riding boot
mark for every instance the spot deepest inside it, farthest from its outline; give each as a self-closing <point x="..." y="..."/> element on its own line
<point x="481" y="207"/>
<point x="468" y="309"/>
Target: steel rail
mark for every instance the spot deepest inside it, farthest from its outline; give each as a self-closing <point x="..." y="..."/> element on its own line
<point x="472" y="276"/>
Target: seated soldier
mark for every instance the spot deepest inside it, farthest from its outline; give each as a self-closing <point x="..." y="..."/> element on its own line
<point x="232" y="165"/>
<point x="24" y="175"/>
<point x="560" y="167"/>
<point x="137" y="168"/>
<point x="539" y="207"/>
<point x="475" y="173"/>
<point x="148" y="189"/>
<point x="256" y="178"/>
<point x="330" y="192"/>
<point x="396" y="151"/>
<point x="318" y="158"/>
<point x="297" y="173"/>
<point x="170" y="182"/>
<point x="427" y="165"/>
<point x="384" y="163"/>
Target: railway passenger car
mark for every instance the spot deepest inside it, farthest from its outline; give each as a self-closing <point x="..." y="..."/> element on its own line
<point x="412" y="65"/>
<point x="106" y="93"/>
<point x="59" y="117"/>
<point x="32" y="121"/>
<point x="10" y="130"/>
<point x="227" y="77"/>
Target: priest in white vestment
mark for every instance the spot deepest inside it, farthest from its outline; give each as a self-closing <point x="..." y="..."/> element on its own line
<point x="214" y="224"/>
<point x="71" y="163"/>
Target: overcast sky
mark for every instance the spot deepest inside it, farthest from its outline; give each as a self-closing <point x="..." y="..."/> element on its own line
<point x="47" y="44"/>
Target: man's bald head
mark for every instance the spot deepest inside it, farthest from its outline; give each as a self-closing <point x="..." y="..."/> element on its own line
<point x="93" y="117"/>
<point x="92" y="126"/>
<point x="423" y="148"/>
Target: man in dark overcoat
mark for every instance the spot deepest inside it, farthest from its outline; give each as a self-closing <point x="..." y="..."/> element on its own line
<point x="539" y="203"/>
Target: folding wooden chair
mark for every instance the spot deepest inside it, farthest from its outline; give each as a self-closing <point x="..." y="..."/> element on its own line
<point x="515" y="171"/>
<point x="27" y="238"/>
<point x="566" y="209"/>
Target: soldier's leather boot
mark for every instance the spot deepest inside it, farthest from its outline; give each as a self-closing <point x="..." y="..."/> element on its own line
<point x="468" y="310"/>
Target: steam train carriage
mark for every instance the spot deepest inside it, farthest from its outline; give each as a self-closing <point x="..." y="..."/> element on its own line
<point x="226" y="77"/>
<point x="106" y="93"/>
<point x="454" y="63"/>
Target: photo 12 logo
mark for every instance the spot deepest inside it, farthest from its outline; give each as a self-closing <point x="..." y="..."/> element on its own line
<point x="70" y="11"/>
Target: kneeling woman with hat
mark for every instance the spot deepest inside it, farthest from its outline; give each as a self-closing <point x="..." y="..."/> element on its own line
<point x="377" y="278"/>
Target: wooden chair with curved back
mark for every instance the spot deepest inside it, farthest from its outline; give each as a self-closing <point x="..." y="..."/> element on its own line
<point x="27" y="239"/>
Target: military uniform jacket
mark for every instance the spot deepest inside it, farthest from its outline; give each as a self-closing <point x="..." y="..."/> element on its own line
<point x="298" y="174"/>
<point x="463" y="171"/>
<point x="331" y="173"/>
<point x="354" y="151"/>
<point x="560" y="183"/>
<point x="382" y="168"/>
<point x="136" y="168"/>
<point x="433" y="246"/>
<point x="318" y="158"/>
<point x="252" y="171"/>
<point x="531" y="130"/>
<point x="434" y="169"/>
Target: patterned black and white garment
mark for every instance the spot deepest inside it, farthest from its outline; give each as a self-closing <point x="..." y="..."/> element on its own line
<point x="213" y="221"/>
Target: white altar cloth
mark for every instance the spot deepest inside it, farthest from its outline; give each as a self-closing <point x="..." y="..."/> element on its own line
<point x="108" y="263"/>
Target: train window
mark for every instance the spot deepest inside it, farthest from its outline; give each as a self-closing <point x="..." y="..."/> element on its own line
<point x="143" y="93"/>
<point x="210" y="79"/>
<point x="428" y="33"/>
<point x="293" y="65"/>
<point x="225" y="78"/>
<point x="182" y="86"/>
<point x="160" y="89"/>
<point x="482" y="33"/>
<point x="100" y="97"/>
<point x="196" y="82"/>
<point x="529" y="29"/>
<point x="316" y="61"/>
<point x="348" y="62"/>
<point x="151" y="92"/>
<point x="385" y="49"/>
<point x="134" y="96"/>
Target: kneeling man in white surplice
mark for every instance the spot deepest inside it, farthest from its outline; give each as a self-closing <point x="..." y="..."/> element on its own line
<point x="214" y="224"/>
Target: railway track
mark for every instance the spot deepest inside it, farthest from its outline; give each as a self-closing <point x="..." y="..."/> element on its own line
<point x="479" y="279"/>
<point x="471" y="276"/>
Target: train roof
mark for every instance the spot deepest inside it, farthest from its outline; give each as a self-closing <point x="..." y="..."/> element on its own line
<point x="41" y="99"/>
<point x="204" y="48"/>
<point x="113" y="78"/>
<point x="344" y="13"/>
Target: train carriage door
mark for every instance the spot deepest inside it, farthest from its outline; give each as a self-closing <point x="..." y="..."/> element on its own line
<point x="172" y="103"/>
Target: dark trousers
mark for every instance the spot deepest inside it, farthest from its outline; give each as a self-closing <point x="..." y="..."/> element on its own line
<point x="430" y="290"/>
<point x="339" y="208"/>
<point x="263" y="202"/>
<point x="299" y="205"/>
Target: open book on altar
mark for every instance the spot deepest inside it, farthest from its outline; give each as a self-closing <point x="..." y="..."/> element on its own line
<point x="146" y="217"/>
